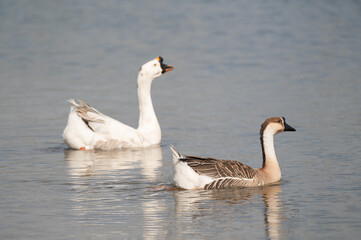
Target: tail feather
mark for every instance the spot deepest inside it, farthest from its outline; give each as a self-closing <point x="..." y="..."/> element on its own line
<point x="84" y="104"/>
<point x="81" y="104"/>
<point x="72" y="102"/>
<point x="175" y="154"/>
<point x="86" y="112"/>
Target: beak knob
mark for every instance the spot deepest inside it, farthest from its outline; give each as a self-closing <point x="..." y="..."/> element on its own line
<point x="165" y="67"/>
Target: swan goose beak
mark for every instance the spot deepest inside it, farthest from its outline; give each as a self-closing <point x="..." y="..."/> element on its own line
<point x="287" y="127"/>
<point x="165" y="67"/>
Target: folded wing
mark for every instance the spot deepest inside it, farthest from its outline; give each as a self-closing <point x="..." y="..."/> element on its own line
<point x="103" y="125"/>
<point x="226" y="173"/>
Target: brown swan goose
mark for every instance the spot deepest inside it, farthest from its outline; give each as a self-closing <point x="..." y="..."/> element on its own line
<point x="192" y="172"/>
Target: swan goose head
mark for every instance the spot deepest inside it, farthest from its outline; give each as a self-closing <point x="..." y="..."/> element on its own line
<point x="154" y="68"/>
<point x="275" y="125"/>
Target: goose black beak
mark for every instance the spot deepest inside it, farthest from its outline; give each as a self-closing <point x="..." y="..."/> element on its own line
<point x="165" y="67"/>
<point x="289" y="128"/>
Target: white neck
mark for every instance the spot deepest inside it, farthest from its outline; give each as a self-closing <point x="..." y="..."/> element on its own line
<point x="148" y="123"/>
<point x="270" y="163"/>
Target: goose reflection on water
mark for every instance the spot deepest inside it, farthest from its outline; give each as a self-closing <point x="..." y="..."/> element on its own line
<point x="102" y="192"/>
<point x="193" y="204"/>
<point x="154" y="211"/>
<point x="87" y="163"/>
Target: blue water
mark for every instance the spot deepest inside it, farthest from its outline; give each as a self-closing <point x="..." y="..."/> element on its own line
<point x="236" y="63"/>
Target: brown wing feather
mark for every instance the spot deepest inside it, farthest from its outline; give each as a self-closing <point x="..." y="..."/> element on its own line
<point x="228" y="183"/>
<point x="216" y="168"/>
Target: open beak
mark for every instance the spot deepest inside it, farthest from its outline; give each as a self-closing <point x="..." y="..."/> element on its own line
<point x="165" y="67"/>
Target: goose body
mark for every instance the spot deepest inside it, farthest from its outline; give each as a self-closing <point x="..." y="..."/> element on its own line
<point x="87" y="128"/>
<point x="191" y="172"/>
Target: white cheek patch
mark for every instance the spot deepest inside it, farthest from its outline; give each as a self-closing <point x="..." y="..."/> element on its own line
<point x="283" y="123"/>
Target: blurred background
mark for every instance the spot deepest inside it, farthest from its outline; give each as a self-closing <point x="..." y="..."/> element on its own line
<point x="236" y="63"/>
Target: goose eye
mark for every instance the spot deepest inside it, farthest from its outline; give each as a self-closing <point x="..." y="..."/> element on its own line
<point x="155" y="64"/>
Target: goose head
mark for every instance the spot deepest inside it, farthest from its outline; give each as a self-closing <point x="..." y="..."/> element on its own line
<point x="275" y="125"/>
<point x="154" y="68"/>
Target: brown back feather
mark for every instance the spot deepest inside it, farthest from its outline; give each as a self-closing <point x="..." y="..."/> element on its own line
<point x="216" y="168"/>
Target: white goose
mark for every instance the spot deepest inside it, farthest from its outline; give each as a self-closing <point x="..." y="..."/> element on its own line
<point x="192" y="172"/>
<point x="87" y="128"/>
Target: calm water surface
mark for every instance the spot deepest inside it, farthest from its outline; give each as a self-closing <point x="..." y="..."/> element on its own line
<point x="236" y="63"/>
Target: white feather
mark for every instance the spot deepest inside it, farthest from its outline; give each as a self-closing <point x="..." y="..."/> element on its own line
<point x="87" y="128"/>
<point x="184" y="176"/>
